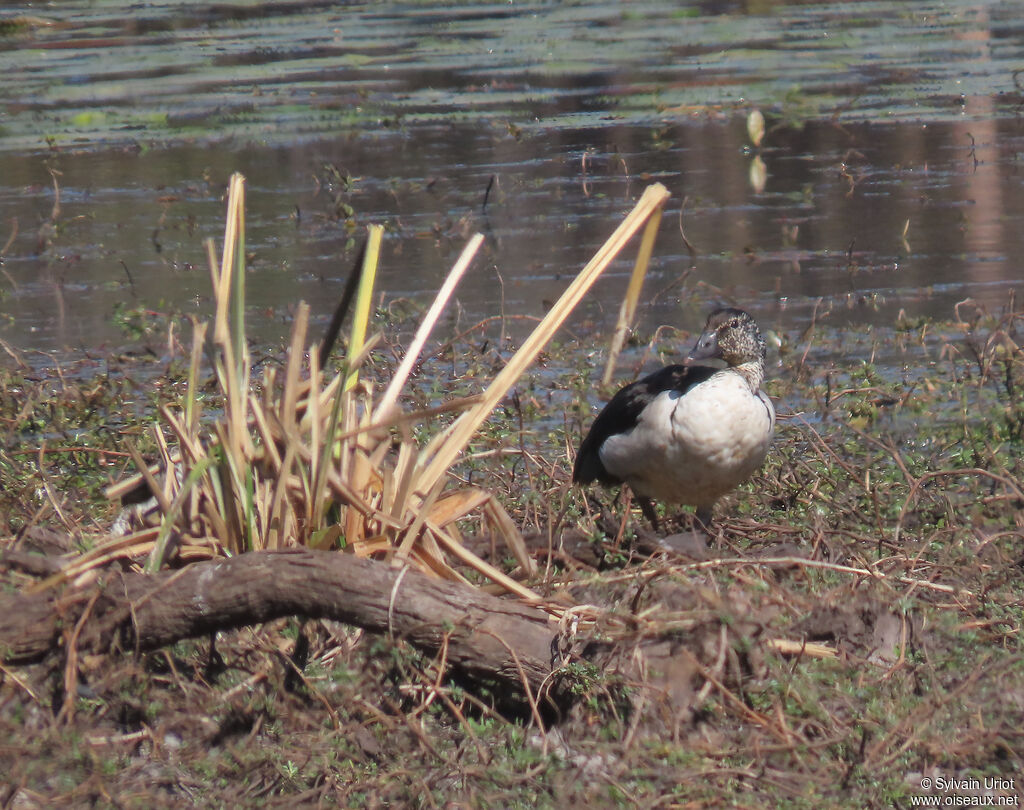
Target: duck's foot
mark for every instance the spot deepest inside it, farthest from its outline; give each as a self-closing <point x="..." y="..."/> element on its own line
<point x="693" y="538"/>
<point x="692" y="544"/>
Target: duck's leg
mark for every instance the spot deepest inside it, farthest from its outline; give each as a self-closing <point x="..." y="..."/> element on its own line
<point x="647" y="507"/>
<point x="704" y="518"/>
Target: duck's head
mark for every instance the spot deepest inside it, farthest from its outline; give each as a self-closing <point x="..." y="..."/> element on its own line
<point x="730" y="335"/>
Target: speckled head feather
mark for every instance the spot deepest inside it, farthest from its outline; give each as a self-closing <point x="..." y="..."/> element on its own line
<point x="730" y="335"/>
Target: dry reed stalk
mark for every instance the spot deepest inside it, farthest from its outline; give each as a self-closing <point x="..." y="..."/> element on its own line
<point x="627" y="312"/>
<point x="785" y="646"/>
<point x="131" y="545"/>
<point x="390" y="398"/>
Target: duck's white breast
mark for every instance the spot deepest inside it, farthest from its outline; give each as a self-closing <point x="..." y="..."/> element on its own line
<point x="692" y="448"/>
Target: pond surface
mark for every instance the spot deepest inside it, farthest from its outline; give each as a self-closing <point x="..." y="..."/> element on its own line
<point x="890" y="177"/>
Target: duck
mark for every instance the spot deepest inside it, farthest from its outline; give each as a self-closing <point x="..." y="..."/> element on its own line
<point x="687" y="434"/>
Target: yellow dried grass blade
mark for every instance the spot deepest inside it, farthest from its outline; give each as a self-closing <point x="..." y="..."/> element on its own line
<point x="117" y="490"/>
<point x="232" y="366"/>
<point x="219" y="277"/>
<point x="397" y="502"/>
<point x="467" y="557"/>
<point x="326" y="459"/>
<point x="258" y="490"/>
<point x="229" y="484"/>
<point x="229" y="282"/>
<point x="362" y="478"/>
<point x="154" y="487"/>
<point x="627" y="311"/>
<point x="236" y="214"/>
<point x="428" y="555"/>
<point x="288" y="411"/>
<point x="355" y="523"/>
<point x="457" y="504"/>
<point x="419" y="516"/>
<point x="786" y="646"/>
<point x="170" y="479"/>
<point x="370" y="545"/>
<point x="114" y="548"/>
<point x="195" y="552"/>
<point x="189" y="446"/>
<point x="507" y="528"/>
<point x="269" y="429"/>
<point x="390" y="397"/>
<point x="344" y="443"/>
<point x="316" y="449"/>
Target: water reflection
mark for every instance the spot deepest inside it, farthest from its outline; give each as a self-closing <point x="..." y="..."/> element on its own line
<point x="900" y="195"/>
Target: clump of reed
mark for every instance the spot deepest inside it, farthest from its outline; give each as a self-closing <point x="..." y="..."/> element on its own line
<point x="305" y="457"/>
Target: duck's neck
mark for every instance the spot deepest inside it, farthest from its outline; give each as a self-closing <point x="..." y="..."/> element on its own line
<point x="752" y="372"/>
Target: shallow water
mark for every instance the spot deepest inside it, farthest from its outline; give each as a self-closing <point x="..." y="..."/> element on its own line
<point x="892" y="157"/>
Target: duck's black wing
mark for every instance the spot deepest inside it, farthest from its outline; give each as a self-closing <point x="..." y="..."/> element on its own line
<point x="622" y="413"/>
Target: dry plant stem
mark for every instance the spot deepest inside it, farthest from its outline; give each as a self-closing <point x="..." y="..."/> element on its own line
<point x="151" y="482"/>
<point x="484" y="568"/>
<point x="805" y="563"/>
<point x="9" y="674"/>
<point x="290" y="396"/>
<point x="390" y="398"/>
<point x="14" y="355"/>
<point x="689" y="247"/>
<point x="67" y="711"/>
<point x="118" y="739"/>
<point x="627" y="312"/>
<point x="785" y="646"/>
<point x="1009" y="483"/>
<point x="236" y="222"/>
<point x="435" y="467"/>
<point x="132" y="545"/>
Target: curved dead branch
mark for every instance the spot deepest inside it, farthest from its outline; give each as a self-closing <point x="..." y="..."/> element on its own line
<point x="483" y="637"/>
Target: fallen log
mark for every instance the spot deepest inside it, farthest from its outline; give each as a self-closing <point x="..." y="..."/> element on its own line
<point x="481" y="637"/>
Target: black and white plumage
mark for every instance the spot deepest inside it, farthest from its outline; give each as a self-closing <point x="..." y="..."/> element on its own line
<point x="687" y="434"/>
